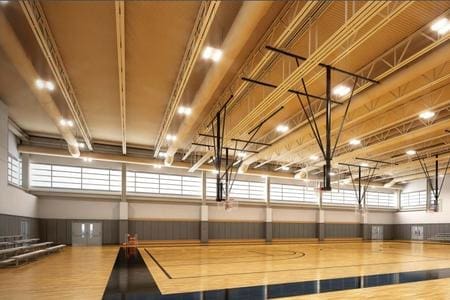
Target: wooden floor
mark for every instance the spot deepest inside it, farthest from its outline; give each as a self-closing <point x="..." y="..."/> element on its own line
<point x="74" y="273"/>
<point x="83" y="272"/>
<point x="197" y="268"/>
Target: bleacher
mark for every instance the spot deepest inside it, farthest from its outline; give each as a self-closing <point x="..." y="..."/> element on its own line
<point x="15" y="250"/>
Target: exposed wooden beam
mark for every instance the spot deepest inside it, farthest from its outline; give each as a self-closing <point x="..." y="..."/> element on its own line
<point x="120" y="31"/>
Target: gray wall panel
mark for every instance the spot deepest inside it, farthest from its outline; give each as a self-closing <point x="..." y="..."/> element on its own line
<point x="342" y="230"/>
<point x="10" y="225"/>
<point x="165" y="230"/>
<point x="294" y="230"/>
<point x="236" y="230"/>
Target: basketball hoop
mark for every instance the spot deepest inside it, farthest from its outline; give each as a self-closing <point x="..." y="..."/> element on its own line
<point x="229" y="204"/>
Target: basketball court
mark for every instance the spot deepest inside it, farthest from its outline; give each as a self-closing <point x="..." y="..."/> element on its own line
<point x="213" y="150"/>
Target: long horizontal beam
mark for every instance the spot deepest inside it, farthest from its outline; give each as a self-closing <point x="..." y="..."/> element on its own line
<point x="229" y="148"/>
<point x="289" y="90"/>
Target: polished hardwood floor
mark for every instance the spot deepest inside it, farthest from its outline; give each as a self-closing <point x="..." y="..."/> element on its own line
<point x="83" y="272"/>
<point x="74" y="273"/>
<point x="197" y="268"/>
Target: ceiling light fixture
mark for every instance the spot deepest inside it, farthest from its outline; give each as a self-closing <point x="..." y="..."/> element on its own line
<point x="42" y="84"/>
<point x="87" y="159"/>
<point x="65" y="122"/>
<point x="162" y="154"/>
<point x="314" y="157"/>
<point x="426" y="115"/>
<point x="241" y="154"/>
<point x="354" y="142"/>
<point x="215" y="172"/>
<point x="341" y="90"/>
<point x="284" y="168"/>
<point x="81" y="145"/>
<point x="332" y="173"/>
<point x="441" y="26"/>
<point x="171" y="137"/>
<point x="411" y="152"/>
<point x="183" y="110"/>
<point x="211" y="53"/>
<point x="364" y="164"/>
<point x="282" y="128"/>
<point x="157" y="166"/>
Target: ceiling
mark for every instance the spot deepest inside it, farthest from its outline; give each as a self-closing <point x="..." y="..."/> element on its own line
<point x="122" y="70"/>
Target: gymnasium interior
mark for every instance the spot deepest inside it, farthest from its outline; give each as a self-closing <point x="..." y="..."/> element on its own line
<point x="212" y="150"/>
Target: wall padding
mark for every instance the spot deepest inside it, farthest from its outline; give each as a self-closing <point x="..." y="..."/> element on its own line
<point x="236" y="230"/>
<point x="165" y="230"/>
<point x="294" y="230"/>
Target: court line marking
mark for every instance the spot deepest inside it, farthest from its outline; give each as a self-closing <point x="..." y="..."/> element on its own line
<point x="300" y="255"/>
<point x="284" y="270"/>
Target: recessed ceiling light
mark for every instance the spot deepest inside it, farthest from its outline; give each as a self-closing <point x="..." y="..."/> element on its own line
<point x="441" y="26"/>
<point x="40" y="84"/>
<point x="81" y="145"/>
<point x="4" y="2"/>
<point x="284" y="168"/>
<point x="411" y="152"/>
<point x="241" y="154"/>
<point x="162" y="154"/>
<point x="87" y="159"/>
<point x="69" y="123"/>
<point x="282" y="128"/>
<point x="426" y="115"/>
<point x="212" y="54"/>
<point x="63" y="122"/>
<point x="332" y="173"/>
<point x="183" y="110"/>
<point x="364" y="164"/>
<point x="341" y="90"/>
<point x="313" y="157"/>
<point x="171" y="137"/>
<point x="215" y="172"/>
<point x="354" y="142"/>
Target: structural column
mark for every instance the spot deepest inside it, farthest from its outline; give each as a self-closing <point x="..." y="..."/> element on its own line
<point x="123" y="209"/>
<point x="268" y="212"/>
<point x="26" y="171"/>
<point x="365" y="226"/>
<point x="320" y="219"/>
<point x="204" y="212"/>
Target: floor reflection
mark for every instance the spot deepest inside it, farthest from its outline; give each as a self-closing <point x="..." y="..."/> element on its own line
<point x="130" y="279"/>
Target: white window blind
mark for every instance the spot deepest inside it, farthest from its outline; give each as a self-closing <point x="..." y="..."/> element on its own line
<point x="14" y="170"/>
<point x="295" y="193"/>
<point x="75" y="178"/>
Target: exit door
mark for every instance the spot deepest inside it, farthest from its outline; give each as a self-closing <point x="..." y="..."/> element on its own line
<point x="86" y="234"/>
<point x="377" y="232"/>
<point x="417" y="233"/>
<point x="24" y="229"/>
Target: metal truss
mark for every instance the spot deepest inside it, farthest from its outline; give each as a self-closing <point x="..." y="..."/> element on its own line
<point x="38" y="23"/>
<point x="205" y="17"/>
<point x="434" y="185"/>
<point x="435" y="77"/>
<point x="292" y="22"/>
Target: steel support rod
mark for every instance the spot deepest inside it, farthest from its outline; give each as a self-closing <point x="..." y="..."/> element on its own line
<point x="327" y="168"/>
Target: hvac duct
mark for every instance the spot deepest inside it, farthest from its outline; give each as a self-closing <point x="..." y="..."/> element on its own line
<point x="17" y="55"/>
<point x="243" y="26"/>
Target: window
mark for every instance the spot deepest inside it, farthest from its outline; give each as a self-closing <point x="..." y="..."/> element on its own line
<point x="248" y="190"/>
<point x="163" y="184"/>
<point x="295" y="193"/>
<point x="339" y="197"/>
<point x="378" y="199"/>
<point x="75" y="178"/>
<point x="413" y="199"/>
<point x="14" y="171"/>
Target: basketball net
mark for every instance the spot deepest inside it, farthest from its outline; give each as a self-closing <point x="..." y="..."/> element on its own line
<point x="229" y="204"/>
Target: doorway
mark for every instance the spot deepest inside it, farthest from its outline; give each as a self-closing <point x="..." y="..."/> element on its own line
<point x="24" y="229"/>
<point x="86" y="234"/>
<point x="417" y="232"/>
<point x="377" y="232"/>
